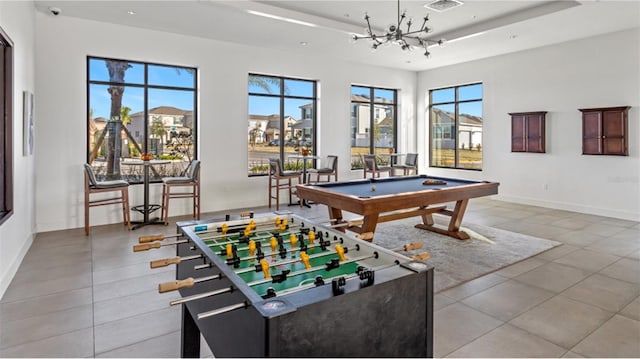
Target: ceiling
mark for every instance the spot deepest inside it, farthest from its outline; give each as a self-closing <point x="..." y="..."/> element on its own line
<point x="476" y="29"/>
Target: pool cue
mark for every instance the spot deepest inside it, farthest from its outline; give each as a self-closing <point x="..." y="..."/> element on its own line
<point x="152" y="245"/>
<point x="313" y="269"/>
<point x="175" y="260"/>
<point x="184" y="283"/>
<point x="201" y="295"/>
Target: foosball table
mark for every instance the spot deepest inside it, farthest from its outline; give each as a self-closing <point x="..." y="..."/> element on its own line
<point x="282" y="286"/>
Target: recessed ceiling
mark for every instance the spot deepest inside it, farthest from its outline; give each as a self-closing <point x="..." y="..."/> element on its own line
<point x="476" y="29"/>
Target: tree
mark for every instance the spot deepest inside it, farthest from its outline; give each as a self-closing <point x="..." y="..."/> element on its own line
<point x="254" y="134"/>
<point x="125" y="116"/>
<point x="114" y="125"/>
<point x="157" y="128"/>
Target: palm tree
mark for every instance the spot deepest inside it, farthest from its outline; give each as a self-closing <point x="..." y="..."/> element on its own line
<point x="125" y="116"/>
<point x="114" y="126"/>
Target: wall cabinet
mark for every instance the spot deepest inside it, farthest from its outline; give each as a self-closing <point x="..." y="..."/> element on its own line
<point x="528" y="131"/>
<point x="605" y="131"/>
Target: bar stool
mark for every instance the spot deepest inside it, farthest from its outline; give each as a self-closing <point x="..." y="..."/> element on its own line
<point x="92" y="185"/>
<point x="331" y="169"/>
<point x="276" y="176"/>
<point x="191" y="180"/>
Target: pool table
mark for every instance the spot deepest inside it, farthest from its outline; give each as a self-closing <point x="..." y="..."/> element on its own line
<point x="386" y="199"/>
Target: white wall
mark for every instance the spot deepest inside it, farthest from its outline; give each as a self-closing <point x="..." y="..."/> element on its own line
<point x="63" y="44"/>
<point x="16" y="234"/>
<point x="596" y="72"/>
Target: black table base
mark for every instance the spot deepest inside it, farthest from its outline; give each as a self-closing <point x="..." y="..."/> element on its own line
<point x="145" y="211"/>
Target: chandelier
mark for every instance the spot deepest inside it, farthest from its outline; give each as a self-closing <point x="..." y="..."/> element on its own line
<point x="405" y="39"/>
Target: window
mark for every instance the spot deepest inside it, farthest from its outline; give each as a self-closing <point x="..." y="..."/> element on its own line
<point x="6" y="127"/>
<point x="456" y="127"/>
<point x="281" y="121"/>
<point x="372" y="108"/>
<point x="136" y="108"/>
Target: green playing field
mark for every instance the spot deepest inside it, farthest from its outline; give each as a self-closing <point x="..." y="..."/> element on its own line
<point x="298" y="275"/>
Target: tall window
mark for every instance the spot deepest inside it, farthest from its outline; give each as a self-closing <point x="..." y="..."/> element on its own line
<point x="456" y="127"/>
<point x="281" y="121"/>
<point x="136" y="108"/>
<point x="373" y="123"/>
<point x="6" y="128"/>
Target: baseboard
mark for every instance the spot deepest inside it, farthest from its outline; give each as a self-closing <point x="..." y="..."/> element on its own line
<point x="7" y="277"/>
<point x="599" y="211"/>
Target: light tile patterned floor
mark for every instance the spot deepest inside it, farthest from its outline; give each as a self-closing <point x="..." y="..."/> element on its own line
<point x="77" y="296"/>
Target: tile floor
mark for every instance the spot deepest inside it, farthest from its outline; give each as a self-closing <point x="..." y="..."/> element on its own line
<point x="78" y="296"/>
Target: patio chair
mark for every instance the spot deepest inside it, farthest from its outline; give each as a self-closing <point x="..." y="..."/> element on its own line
<point x="331" y="169"/>
<point x="190" y="180"/>
<point x="371" y="166"/>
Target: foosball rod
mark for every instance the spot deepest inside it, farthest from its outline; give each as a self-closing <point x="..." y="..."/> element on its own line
<point x="291" y="261"/>
<point x="184" y="283"/>
<point x="201" y="296"/>
<point x="245" y="304"/>
<point x="347" y="277"/>
<point x="155" y="245"/>
<point x="272" y="253"/>
<point x="289" y="228"/>
<point x="313" y="269"/>
<point x="222" y="310"/>
<point x="158" y="263"/>
<point x="160" y="237"/>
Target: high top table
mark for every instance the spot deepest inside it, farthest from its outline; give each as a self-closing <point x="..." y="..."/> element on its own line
<point x="304" y="169"/>
<point x="146" y="208"/>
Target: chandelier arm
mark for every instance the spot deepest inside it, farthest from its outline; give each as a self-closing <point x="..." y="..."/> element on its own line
<point x="413" y="32"/>
<point x="366" y="17"/>
<point x="424" y="23"/>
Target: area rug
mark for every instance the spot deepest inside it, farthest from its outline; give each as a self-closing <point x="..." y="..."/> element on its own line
<point x="457" y="261"/>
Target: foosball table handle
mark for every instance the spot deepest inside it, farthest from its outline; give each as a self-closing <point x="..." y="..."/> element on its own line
<point x="151" y="238"/>
<point x="422" y="256"/>
<point x="175" y="285"/>
<point x="413" y="246"/>
<point x="146" y="246"/>
<point x="165" y="262"/>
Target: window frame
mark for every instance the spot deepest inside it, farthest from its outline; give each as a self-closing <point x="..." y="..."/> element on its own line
<point x="146" y="87"/>
<point x="456" y="128"/>
<point x="372" y="109"/>
<point x="282" y="96"/>
<point x="6" y="129"/>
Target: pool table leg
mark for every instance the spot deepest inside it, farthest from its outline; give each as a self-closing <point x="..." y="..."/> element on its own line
<point x="369" y="224"/>
<point x="335" y="214"/>
<point x="453" y="229"/>
<point x="456" y="217"/>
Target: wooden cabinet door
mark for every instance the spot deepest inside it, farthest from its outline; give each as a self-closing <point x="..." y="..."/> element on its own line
<point x="604" y="131"/>
<point x="592" y="133"/>
<point x="528" y="131"/>
<point x="614" y="139"/>
<point x="518" y="133"/>
<point x="535" y="133"/>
